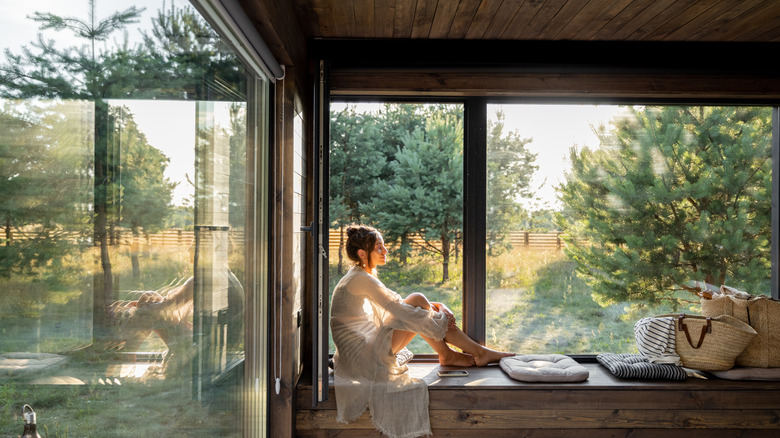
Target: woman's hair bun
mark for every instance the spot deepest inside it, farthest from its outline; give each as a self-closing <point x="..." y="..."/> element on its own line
<point x="352" y="230"/>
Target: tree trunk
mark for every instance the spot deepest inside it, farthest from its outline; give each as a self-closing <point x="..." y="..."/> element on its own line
<point x="134" y="248"/>
<point x="9" y="235"/>
<point x="404" y="248"/>
<point x="445" y="253"/>
<point x="103" y="293"/>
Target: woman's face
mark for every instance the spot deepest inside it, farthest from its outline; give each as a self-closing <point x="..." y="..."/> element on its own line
<point x="379" y="255"/>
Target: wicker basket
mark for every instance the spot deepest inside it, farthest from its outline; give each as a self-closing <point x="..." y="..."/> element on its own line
<point x="763" y="314"/>
<point x="710" y="344"/>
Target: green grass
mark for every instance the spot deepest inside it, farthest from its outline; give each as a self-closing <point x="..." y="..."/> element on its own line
<point x="539" y="305"/>
<point x="52" y="312"/>
<point x="535" y="303"/>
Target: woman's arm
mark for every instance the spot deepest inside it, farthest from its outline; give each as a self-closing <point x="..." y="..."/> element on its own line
<point x="441" y="307"/>
<point x="415" y="314"/>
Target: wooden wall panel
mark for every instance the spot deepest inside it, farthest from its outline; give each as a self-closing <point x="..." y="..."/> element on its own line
<point x="488" y="403"/>
<point x="284" y="357"/>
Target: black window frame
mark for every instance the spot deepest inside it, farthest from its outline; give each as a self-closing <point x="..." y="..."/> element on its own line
<point x="475" y="191"/>
<point x="640" y="61"/>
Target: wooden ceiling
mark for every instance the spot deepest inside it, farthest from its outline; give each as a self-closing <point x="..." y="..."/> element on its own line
<point x="544" y="20"/>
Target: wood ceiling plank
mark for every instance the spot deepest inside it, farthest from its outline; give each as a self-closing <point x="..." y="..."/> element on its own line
<point x="404" y="17"/>
<point x="423" y="18"/>
<point x="620" y="20"/>
<point x="718" y="16"/>
<point x="483" y="19"/>
<point x="522" y="18"/>
<point x="384" y="18"/>
<point x="684" y="16"/>
<point x="748" y="25"/>
<point x="538" y="14"/>
<point x="653" y="10"/>
<point x="317" y="14"/>
<point x="673" y="8"/>
<point x="467" y="10"/>
<point x="363" y="11"/>
<point x="771" y="35"/>
<point x="609" y="11"/>
<point x="343" y="18"/>
<point x="567" y="12"/>
<point x="545" y="12"/>
<point x="502" y="19"/>
<point x="588" y="13"/>
<point x="442" y="19"/>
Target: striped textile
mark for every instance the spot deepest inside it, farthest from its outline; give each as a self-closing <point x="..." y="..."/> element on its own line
<point x="655" y="337"/>
<point x="635" y="366"/>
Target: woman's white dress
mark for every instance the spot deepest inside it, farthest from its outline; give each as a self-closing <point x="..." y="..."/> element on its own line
<point x="364" y="314"/>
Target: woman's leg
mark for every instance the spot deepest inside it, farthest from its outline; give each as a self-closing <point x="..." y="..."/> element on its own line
<point x="447" y="356"/>
<point x="481" y="355"/>
<point x="402" y="338"/>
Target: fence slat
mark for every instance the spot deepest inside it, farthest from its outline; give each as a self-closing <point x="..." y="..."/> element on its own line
<point x="551" y="240"/>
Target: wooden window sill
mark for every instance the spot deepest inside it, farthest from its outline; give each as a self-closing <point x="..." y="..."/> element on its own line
<point x="488" y="402"/>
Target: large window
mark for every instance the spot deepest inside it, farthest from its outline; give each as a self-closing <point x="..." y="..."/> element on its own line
<point x="131" y="160"/>
<point x="600" y="215"/>
<point x="399" y="168"/>
<point x="594" y="215"/>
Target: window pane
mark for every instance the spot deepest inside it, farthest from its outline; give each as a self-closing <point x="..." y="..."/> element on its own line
<point x="399" y="168"/>
<point x="601" y="215"/>
<point x="128" y="232"/>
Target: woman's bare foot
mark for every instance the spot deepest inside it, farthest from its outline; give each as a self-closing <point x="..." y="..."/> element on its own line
<point x="456" y="359"/>
<point x="487" y="356"/>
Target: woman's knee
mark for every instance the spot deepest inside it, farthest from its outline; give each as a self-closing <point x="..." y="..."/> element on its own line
<point x="418" y="300"/>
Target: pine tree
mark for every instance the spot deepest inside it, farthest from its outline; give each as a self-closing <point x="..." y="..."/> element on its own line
<point x="355" y="163"/>
<point x="675" y="194"/>
<point x="425" y="194"/>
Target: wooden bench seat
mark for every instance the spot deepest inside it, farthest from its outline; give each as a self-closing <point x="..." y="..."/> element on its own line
<point x="488" y="404"/>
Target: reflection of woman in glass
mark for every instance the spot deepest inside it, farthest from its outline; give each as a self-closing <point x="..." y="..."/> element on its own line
<point x="371" y="326"/>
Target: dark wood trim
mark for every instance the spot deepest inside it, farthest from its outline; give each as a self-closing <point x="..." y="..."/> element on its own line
<point x="277" y="24"/>
<point x="568" y="56"/>
<point x="607" y="86"/>
<point x="474" y="221"/>
<point x="775" y="202"/>
<point x="553" y="69"/>
<point x="555" y="433"/>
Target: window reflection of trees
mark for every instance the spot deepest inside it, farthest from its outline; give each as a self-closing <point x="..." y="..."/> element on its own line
<point x="84" y="189"/>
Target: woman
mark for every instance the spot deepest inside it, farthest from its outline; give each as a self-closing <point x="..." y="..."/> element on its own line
<point x="371" y="326"/>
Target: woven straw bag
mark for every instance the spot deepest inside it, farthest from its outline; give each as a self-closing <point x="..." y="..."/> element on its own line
<point x="710" y="343"/>
<point x="763" y="314"/>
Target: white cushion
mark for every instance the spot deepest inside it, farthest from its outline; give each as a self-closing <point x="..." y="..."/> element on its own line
<point x="543" y="368"/>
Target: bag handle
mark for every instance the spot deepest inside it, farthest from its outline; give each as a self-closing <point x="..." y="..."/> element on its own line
<point x="684" y="327"/>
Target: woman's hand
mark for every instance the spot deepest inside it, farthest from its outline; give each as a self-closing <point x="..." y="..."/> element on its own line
<point x="440" y="307"/>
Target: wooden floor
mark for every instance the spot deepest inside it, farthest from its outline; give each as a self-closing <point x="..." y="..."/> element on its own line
<point x="488" y="404"/>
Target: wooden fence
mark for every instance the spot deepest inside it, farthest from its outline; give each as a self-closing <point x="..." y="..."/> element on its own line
<point x="529" y="239"/>
<point x="167" y="238"/>
<point x="170" y="238"/>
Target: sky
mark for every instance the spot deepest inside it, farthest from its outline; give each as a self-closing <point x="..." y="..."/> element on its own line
<point x="16" y="29"/>
<point x="554" y="129"/>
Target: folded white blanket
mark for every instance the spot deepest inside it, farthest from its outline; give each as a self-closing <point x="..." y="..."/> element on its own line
<point x="655" y="338"/>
